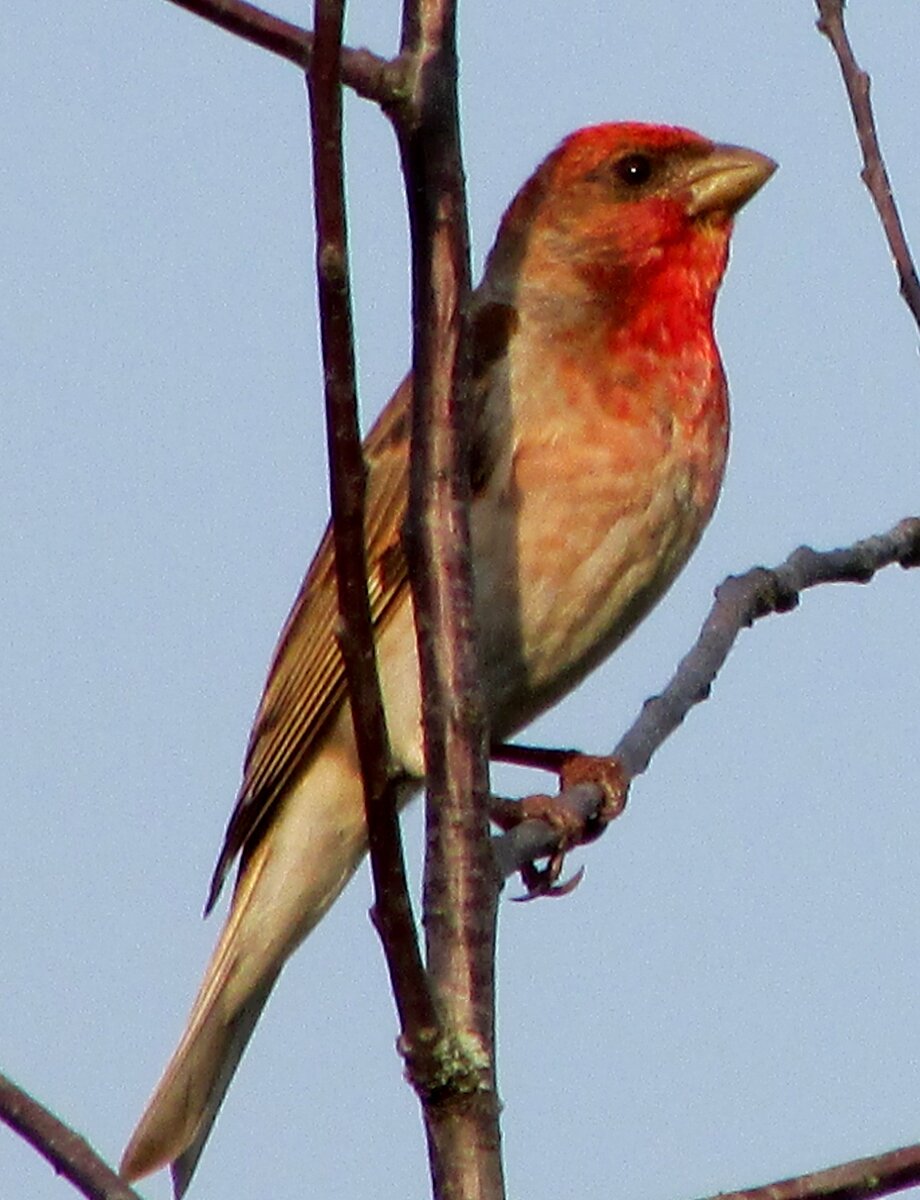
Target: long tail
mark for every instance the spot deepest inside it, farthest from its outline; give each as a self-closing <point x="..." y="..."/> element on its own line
<point x="302" y="863"/>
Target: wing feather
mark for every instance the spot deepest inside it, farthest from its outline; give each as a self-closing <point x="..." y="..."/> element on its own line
<point x="306" y="679"/>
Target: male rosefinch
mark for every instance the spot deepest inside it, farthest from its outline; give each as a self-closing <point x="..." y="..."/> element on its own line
<point x="600" y="433"/>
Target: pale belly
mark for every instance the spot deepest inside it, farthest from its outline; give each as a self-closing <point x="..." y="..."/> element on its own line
<point x="576" y="536"/>
<point x="570" y="557"/>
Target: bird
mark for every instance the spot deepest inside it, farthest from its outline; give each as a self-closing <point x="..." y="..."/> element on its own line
<point x="599" y="433"/>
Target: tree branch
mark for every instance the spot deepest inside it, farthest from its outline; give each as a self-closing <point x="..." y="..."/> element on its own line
<point x="874" y="173"/>
<point x="461" y="883"/>
<point x="368" y="74"/>
<point x="347" y="472"/>
<point x="740" y="601"/>
<point x="70" y="1154"/>
<point x="857" y="1180"/>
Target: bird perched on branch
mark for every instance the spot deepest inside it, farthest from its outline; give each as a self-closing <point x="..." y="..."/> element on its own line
<point x="599" y="436"/>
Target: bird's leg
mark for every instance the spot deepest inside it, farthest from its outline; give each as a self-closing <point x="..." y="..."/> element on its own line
<point x="568" y="820"/>
<point x="541" y="758"/>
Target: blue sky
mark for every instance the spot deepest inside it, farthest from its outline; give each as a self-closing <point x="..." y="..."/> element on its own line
<point x="730" y="996"/>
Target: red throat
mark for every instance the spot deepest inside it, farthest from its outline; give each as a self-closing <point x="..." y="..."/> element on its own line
<point x="672" y="298"/>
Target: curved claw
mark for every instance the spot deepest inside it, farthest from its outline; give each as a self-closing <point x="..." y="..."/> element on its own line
<point x="539" y="883"/>
<point x="566" y="816"/>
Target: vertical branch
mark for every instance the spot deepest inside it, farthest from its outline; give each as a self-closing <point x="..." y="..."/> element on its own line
<point x="461" y="880"/>
<point x="874" y="173"/>
<point x="393" y="911"/>
<point x="448" y="1037"/>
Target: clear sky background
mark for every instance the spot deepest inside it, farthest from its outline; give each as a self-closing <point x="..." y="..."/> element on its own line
<point x="731" y="994"/>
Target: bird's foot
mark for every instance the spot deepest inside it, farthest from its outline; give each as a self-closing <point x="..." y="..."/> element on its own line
<point x="565" y="813"/>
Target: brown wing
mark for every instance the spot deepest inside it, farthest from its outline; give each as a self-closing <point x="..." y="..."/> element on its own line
<point x="306" y="680"/>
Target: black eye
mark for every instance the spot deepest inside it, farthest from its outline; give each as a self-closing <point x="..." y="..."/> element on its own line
<point x="634" y="169"/>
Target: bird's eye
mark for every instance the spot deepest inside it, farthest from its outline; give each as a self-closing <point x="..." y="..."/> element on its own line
<point x="634" y="169"/>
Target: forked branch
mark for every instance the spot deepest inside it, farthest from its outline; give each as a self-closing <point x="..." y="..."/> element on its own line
<point x="368" y="74"/>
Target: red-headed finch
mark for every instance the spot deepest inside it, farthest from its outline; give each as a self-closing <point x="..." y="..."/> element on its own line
<point x="600" y="429"/>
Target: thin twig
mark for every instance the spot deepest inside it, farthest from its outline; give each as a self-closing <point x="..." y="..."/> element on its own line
<point x="347" y="472"/>
<point x="874" y="173"/>
<point x="368" y="74"/>
<point x="740" y="601"/>
<point x="857" y="1180"/>
<point x="70" y="1154"/>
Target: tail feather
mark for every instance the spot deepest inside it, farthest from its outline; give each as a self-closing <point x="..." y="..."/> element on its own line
<point x="182" y="1109"/>
<point x="288" y="882"/>
<point x="239" y="1033"/>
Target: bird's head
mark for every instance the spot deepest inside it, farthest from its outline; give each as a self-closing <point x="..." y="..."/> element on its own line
<point x="617" y="211"/>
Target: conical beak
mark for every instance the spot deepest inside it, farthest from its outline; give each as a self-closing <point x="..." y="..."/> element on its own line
<point x="726" y="179"/>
